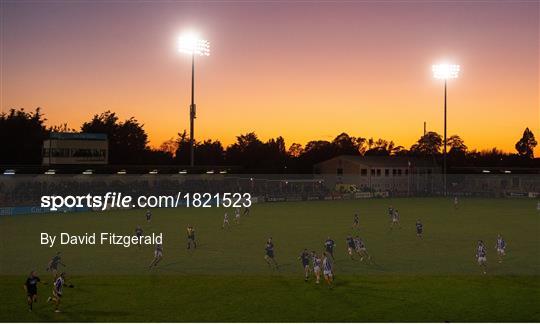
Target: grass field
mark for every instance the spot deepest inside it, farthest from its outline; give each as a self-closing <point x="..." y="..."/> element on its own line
<point x="226" y="278"/>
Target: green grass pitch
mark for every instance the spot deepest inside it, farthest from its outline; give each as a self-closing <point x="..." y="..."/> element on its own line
<point x="226" y="278"/>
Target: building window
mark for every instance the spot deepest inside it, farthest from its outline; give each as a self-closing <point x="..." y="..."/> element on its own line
<point x="340" y="171"/>
<point x="372" y="172"/>
<point x="394" y="172"/>
<point x="378" y="172"/>
<point x="363" y="172"/>
<point x="386" y="172"/>
<point x="399" y="172"/>
<point x="407" y="171"/>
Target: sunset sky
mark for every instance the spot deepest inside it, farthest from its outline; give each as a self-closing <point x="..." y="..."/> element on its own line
<point x="303" y="70"/>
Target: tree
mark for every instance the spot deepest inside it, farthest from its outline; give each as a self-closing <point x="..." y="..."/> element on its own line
<point x="127" y="140"/>
<point x="209" y="153"/>
<point x="295" y="150"/>
<point x="345" y="144"/>
<point x="525" y="146"/>
<point x="428" y="144"/>
<point x="181" y="155"/>
<point x="21" y="136"/>
<point x="457" y="145"/>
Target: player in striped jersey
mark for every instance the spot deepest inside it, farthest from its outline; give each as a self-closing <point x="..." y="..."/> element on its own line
<point x="225" y="221"/>
<point x="327" y="269"/>
<point x="419" y="229"/>
<point x="350" y="246"/>
<point x="395" y="219"/>
<point x="158" y="255"/>
<point x="237" y="215"/>
<point x="501" y="248"/>
<point x="481" y="255"/>
<point x="361" y="249"/>
<point x="316" y="266"/>
<point x="57" y="292"/>
<point x="356" y="221"/>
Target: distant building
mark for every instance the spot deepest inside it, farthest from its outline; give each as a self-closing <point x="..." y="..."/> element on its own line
<point x="76" y="148"/>
<point x="398" y="175"/>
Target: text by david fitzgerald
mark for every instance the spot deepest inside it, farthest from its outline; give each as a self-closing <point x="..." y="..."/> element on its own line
<point x="101" y="239"/>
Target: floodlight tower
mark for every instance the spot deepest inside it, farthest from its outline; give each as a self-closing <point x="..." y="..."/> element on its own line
<point x="445" y="72"/>
<point x="192" y="45"/>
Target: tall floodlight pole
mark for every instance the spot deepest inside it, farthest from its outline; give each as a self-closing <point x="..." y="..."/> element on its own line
<point x="445" y="72"/>
<point x="192" y="45"/>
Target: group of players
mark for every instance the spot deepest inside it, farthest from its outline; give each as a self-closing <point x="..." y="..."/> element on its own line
<point x="58" y="279"/>
<point x="320" y="263"/>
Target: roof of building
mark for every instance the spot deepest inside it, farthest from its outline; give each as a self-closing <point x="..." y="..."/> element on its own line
<point x="386" y="161"/>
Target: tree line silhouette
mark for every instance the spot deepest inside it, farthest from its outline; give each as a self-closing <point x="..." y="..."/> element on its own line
<point x="22" y="134"/>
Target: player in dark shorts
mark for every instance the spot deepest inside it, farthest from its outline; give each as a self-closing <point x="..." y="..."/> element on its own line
<point x="350" y="246"/>
<point x="419" y="229"/>
<point x="191" y="237"/>
<point x="304" y="257"/>
<point x="148" y="215"/>
<point x="391" y="213"/>
<point x="139" y="232"/>
<point x="356" y="220"/>
<point x="31" y="289"/>
<point x="269" y="254"/>
<point x="158" y="255"/>
<point x="246" y="211"/>
<point x="54" y="263"/>
<point x="329" y="245"/>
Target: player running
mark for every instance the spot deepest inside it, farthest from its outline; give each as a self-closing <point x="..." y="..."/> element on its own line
<point x="481" y="255"/>
<point x="246" y="211"/>
<point x="329" y="245"/>
<point x="350" y="246"/>
<point x="316" y="266"/>
<point x="30" y="286"/>
<point x="304" y="257"/>
<point x="501" y="248"/>
<point x="269" y="254"/>
<point x="456" y="202"/>
<point x="158" y="255"/>
<point x="327" y="269"/>
<point x="191" y="237"/>
<point x="390" y="213"/>
<point x="139" y="232"/>
<point x="237" y="215"/>
<point x="54" y="263"/>
<point x="419" y="229"/>
<point x="356" y="221"/>
<point x="148" y="215"/>
<point x="225" y="221"/>
<point x="395" y="219"/>
<point x="57" y="292"/>
<point x="361" y="249"/>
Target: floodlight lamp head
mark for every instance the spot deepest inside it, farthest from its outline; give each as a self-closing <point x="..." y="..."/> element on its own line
<point x="445" y="71"/>
<point x="193" y="45"/>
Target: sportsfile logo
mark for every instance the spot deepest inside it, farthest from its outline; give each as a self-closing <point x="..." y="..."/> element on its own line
<point x="118" y="200"/>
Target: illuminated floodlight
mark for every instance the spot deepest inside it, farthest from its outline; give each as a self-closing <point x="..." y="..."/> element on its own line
<point x="9" y="172"/>
<point x="155" y="171"/>
<point x="191" y="44"/>
<point x="182" y="172"/>
<point x="121" y="172"/>
<point x="210" y="172"/>
<point x="445" y="71"/>
<point x="486" y="171"/>
<point x="50" y="172"/>
<point x="223" y="172"/>
<point x="88" y="172"/>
